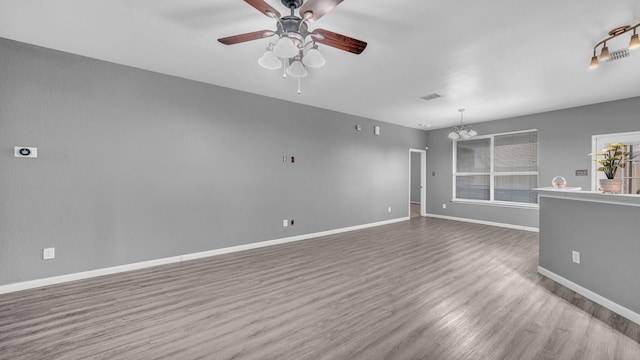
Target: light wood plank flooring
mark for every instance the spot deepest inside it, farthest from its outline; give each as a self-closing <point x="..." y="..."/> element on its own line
<point x="421" y="289"/>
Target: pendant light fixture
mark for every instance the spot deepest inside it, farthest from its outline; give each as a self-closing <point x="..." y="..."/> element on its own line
<point x="462" y="131"/>
<point x="605" y="55"/>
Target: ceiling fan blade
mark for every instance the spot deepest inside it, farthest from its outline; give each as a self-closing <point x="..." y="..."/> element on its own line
<point x="338" y="41"/>
<point x="236" y="39"/>
<point x="264" y="8"/>
<point x="318" y="8"/>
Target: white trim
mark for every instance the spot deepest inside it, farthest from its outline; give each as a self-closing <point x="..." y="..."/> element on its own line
<point x="615" y="307"/>
<point x="499" y="203"/>
<point x="4" y="289"/>
<point x="590" y="196"/>
<point x="483" y="222"/>
<point x="423" y="181"/>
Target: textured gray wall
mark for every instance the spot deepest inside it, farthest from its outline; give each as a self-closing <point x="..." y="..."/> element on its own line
<point x="564" y="138"/>
<point x="415" y="177"/>
<point x="606" y="237"/>
<point x="135" y="166"/>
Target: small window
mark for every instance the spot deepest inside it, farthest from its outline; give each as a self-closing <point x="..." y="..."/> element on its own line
<point x="630" y="174"/>
<point x="497" y="169"/>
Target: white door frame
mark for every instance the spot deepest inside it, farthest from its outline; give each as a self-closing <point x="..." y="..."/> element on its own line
<point x="423" y="181"/>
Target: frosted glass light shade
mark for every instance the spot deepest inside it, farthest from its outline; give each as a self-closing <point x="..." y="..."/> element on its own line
<point x="594" y="62"/>
<point x="269" y="61"/>
<point x="453" y="135"/>
<point x="297" y="69"/>
<point x="464" y="134"/>
<point x="604" y="55"/>
<point x="314" y="59"/>
<point x="472" y="132"/>
<point x="635" y="42"/>
<point x="285" y="48"/>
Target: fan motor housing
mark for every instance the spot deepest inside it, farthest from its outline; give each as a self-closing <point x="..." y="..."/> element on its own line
<point x="292" y="23"/>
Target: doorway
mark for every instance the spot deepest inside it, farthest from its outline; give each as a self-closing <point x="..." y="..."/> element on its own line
<point x="417" y="183"/>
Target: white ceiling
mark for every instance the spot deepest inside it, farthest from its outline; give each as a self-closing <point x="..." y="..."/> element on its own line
<point x="496" y="58"/>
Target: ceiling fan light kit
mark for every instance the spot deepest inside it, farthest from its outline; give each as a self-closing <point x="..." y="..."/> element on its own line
<point x="290" y="49"/>
<point x="605" y="55"/>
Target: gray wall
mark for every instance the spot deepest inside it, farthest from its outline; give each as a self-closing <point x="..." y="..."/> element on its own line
<point x="564" y="138"/>
<point x="608" y="259"/>
<point x="135" y="166"/>
<point x="415" y="177"/>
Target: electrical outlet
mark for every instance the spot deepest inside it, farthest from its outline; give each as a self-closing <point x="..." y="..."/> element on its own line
<point x="444" y="206"/>
<point x="48" y="253"/>
<point x="576" y="257"/>
<point x="389" y="209"/>
<point x="285" y="223"/>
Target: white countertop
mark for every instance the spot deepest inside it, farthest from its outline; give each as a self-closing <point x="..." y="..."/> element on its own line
<point x="591" y="196"/>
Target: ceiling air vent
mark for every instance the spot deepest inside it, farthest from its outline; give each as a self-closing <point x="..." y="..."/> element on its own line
<point x="430" y="96"/>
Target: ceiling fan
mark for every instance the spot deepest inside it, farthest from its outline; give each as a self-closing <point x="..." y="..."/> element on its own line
<point x="295" y="28"/>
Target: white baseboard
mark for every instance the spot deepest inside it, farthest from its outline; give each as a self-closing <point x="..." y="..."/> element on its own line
<point x="4" y="289"/>
<point x="615" y="307"/>
<point x="483" y="222"/>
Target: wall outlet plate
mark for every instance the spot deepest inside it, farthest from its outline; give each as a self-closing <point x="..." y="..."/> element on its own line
<point x="25" y="152"/>
<point x="285" y="223"/>
<point x="575" y="255"/>
<point x="444" y="206"/>
<point x="376" y="130"/>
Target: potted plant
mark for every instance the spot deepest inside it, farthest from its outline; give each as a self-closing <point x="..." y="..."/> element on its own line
<point x="612" y="159"/>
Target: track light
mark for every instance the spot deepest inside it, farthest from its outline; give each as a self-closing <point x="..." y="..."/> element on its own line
<point x="635" y="41"/>
<point x="605" y="55"/>
<point x="594" y="61"/>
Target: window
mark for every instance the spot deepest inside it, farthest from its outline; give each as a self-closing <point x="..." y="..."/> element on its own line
<point x="497" y="169"/>
<point x="630" y="174"/>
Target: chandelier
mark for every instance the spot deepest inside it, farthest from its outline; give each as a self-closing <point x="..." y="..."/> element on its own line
<point x="462" y="131"/>
<point x="605" y="55"/>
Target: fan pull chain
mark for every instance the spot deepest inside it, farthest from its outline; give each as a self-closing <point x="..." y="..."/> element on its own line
<point x="284" y="68"/>
<point x="299" y="91"/>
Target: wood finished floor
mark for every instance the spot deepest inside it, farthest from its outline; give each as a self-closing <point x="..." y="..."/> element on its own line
<point x="421" y="289"/>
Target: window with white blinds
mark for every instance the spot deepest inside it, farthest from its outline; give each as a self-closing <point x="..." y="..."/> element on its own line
<point x="500" y="168"/>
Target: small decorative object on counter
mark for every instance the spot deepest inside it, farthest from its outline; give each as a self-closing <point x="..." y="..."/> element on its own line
<point x="559" y="182"/>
